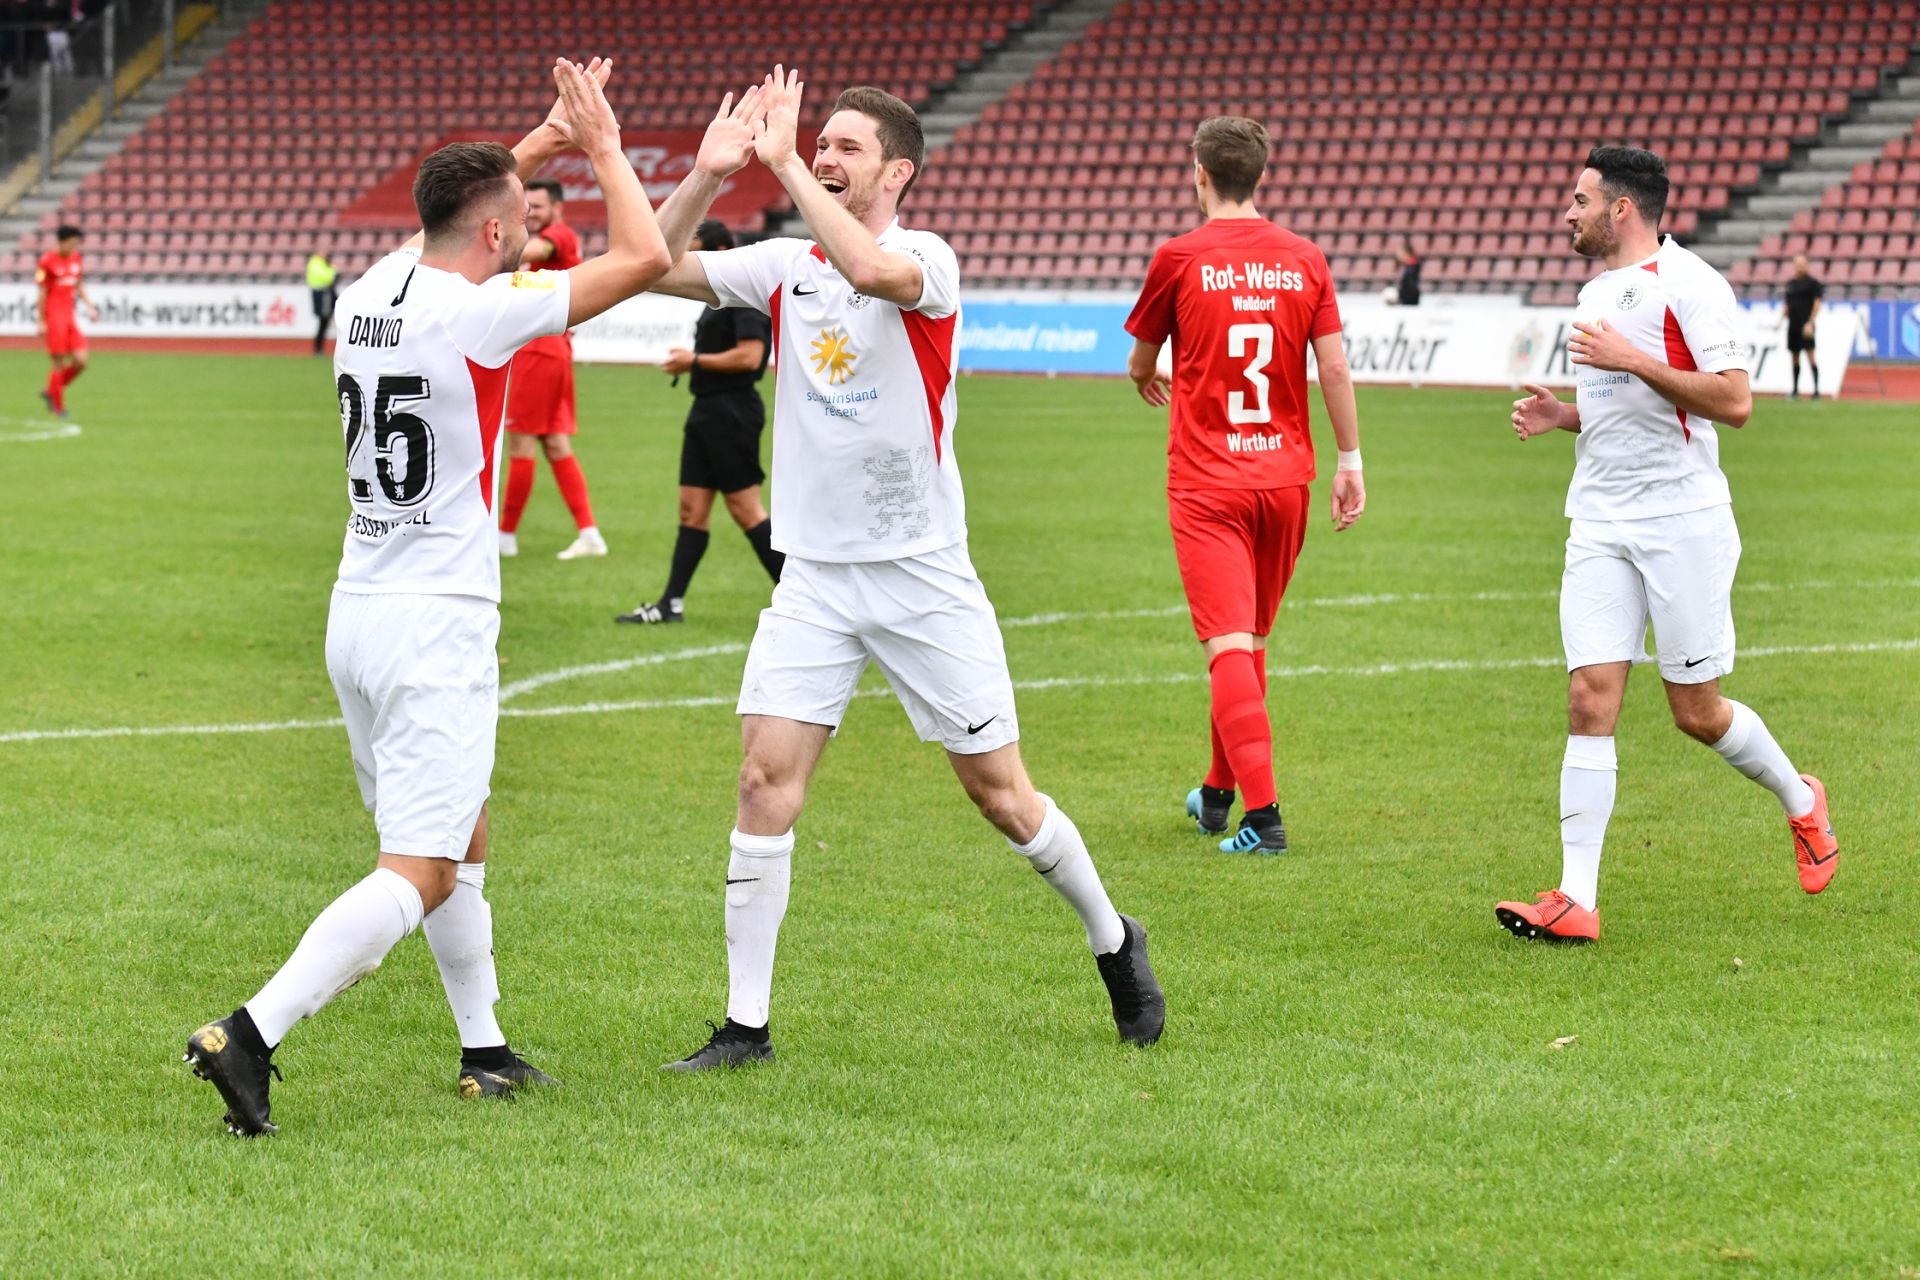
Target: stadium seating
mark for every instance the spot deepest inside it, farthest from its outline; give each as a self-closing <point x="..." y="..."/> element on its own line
<point x="246" y="170"/>
<point x="1864" y="237"/>
<point x="1456" y="123"/>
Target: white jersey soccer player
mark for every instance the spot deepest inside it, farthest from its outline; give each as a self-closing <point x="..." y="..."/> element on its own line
<point x="421" y="373"/>
<point x="1660" y="348"/>
<point x="872" y="520"/>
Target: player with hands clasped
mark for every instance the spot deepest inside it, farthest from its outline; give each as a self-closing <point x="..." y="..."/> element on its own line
<point x="1660" y="348"/>
<point x="1243" y="301"/>
<point x="871" y="516"/>
<point x="421" y="377"/>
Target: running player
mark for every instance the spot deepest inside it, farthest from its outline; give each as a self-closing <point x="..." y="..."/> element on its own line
<point x="425" y="340"/>
<point x="1243" y="300"/>
<point x="865" y="321"/>
<point x="1662" y="355"/>
<point x="540" y="414"/>
<point x="60" y="279"/>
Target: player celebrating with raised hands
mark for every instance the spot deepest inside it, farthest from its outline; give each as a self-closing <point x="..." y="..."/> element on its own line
<point x="1661" y="350"/>
<point x="1243" y="301"/>
<point x="421" y="374"/>
<point x="872" y="520"/>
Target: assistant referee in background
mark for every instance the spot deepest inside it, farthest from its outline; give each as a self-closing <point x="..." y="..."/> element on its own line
<point x="720" y="452"/>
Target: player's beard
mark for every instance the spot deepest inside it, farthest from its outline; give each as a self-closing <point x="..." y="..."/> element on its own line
<point x="1595" y="241"/>
<point x="510" y="254"/>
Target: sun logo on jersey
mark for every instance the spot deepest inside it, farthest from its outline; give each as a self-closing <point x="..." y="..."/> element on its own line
<point x="832" y="356"/>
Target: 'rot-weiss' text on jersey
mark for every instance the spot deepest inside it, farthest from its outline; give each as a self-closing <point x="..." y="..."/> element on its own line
<point x="1242" y="300"/>
<point x="863" y="464"/>
<point x="60" y="273"/>
<point x="421" y="373"/>
<point x="1637" y="455"/>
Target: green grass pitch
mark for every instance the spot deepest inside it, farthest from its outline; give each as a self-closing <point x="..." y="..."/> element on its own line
<point x="1357" y="1077"/>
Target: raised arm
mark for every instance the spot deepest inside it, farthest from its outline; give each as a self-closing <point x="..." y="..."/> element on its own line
<point x="636" y="256"/>
<point x="725" y="149"/>
<point x="852" y="249"/>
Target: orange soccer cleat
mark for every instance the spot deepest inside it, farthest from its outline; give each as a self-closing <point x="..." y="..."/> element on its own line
<point x="1813" y="842"/>
<point x="1551" y="915"/>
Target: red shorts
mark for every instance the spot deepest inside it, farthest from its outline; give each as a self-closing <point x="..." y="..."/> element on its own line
<point x="64" y="337"/>
<point x="1236" y="548"/>
<point x="540" y="389"/>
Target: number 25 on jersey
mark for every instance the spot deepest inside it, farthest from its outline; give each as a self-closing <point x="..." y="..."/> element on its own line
<point x="397" y="454"/>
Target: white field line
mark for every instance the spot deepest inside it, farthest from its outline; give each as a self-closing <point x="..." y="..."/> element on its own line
<point x="518" y="687"/>
<point x="1059" y="682"/>
<point x="37" y="432"/>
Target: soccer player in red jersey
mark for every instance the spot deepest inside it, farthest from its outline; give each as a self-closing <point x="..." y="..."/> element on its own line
<point x="1242" y="301"/>
<point x="540" y="393"/>
<point x="59" y="278"/>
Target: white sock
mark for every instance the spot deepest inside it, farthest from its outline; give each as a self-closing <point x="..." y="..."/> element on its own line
<point x="759" y="874"/>
<point x="344" y="944"/>
<point x="1588" y="775"/>
<point x="460" y="931"/>
<point x="1060" y="856"/>
<point x="1749" y="748"/>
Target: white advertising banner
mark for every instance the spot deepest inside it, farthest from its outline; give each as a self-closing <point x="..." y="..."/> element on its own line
<point x="174" y="310"/>
<point x="638" y="331"/>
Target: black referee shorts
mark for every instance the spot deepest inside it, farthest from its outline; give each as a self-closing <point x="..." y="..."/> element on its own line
<point x="1797" y="339"/>
<point x="721" y="448"/>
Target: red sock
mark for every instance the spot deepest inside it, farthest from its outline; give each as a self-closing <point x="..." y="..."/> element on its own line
<point x="1219" y="772"/>
<point x="519" y="489"/>
<point x="57" y="389"/>
<point x="573" y="487"/>
<point x="73" y="371"/>
<point x="1240" y="715"/>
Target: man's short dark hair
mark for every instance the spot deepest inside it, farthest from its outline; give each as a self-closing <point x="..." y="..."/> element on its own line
<point x="714" y="234"/>
<point x="898" y="125"/>
<point x="67" y="231"/>
<point x="457" y="177"/>
<point x="1640" y="176"/>
<point x="1233" y="151"/>
<point x="554" y="190"/>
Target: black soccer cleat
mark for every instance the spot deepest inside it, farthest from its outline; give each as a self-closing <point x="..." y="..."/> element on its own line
<point x="1209" y="808"/>
<point x="1261" y="831"/>
<point x="501" y="1080"/>
<point x="1139" y="1010"/>
<point x="651" y="612"/>
<point x="731" y="1045"/>
<point x="240" y="1075"/>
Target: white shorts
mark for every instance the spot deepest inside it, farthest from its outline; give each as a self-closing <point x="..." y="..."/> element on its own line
<point x="1676" y="571"/>
<point x="925" y="620"/>
<point x="419" y="687"/>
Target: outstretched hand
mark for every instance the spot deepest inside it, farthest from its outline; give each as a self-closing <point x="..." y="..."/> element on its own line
<point x="729" y="141"/>
<point x="1538" y="414"/>
<point x="601" y="70"/>
<point x="583" y="105"/>
<point x="774" y="133"/>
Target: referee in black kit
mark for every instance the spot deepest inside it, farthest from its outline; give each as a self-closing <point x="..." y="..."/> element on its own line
<point x="720" y="452"/>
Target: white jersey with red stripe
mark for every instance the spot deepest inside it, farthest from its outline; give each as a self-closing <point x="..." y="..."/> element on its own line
<point x="421" y="373"/>
<point x="863" y="464"/>
<point x="1638" y="455"/>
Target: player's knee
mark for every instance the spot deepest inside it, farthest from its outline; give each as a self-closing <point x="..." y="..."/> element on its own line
<point x="1699" y="720"/>
<point x="764" y="787"/>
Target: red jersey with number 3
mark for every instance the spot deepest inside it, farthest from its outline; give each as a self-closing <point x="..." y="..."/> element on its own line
<point x="60" y="273"/>
<point x="1241" y="299"/>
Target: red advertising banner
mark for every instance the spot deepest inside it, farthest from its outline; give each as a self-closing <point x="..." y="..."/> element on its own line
<point x="662" y="157"/>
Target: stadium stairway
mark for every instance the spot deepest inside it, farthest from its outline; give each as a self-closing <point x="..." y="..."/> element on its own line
<point x="1769" y="210"/>
<point x="22" y="227"/>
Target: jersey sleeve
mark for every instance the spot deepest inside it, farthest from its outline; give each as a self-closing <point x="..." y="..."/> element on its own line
<point x="750" y="275"/>
<point x="751" y="326"/>
<point x="1152" y="319"/>
<point x="1712" y="323"/>
<point x="499" y="317"/>
<point x="1326" y="312"/>
<point x="939" y="276"/>
<point x="566" y="244"/>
